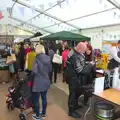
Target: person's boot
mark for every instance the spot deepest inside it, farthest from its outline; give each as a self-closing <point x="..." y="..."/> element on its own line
<point x="77" y="107"/>
<point x="72" y="113"/>
<point x="63" y="79"/>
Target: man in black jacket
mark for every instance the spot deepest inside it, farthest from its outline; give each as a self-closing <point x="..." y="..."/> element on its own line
<point x="76" y="69"/>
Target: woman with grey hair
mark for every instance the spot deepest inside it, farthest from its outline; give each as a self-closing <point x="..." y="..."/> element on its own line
<point x="41" y="82"/>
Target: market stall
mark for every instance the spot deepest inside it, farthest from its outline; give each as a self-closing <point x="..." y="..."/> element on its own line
<point x="65" y="35"/>
<point x="104" y="59"/>
<point x="4" y="73"/>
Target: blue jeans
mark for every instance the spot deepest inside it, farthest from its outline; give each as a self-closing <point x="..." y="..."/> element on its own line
<point x="36" y="96"/>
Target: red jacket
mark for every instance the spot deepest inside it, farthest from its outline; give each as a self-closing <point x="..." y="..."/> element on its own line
<point x="64" y="56"/>
<point x="27" y="51"/>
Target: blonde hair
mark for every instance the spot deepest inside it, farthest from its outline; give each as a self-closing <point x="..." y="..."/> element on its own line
<point x="39" y="49"/>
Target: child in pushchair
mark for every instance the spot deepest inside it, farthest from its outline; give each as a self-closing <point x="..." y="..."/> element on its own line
<point x="20" y="96"/>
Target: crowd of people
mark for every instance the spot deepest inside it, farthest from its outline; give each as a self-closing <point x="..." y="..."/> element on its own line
<point x="38" y="59"/>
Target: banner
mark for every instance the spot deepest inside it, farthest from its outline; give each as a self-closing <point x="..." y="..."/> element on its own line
<point x="67" y="1"/>
<point x="106" y="45"/>
<point x="12" y="29"/>
<point x="22" y="10"/>
<point x="114" y="14"/>
<point x="1" y="28"/>
<point x="50" y="5"/>
<point x="33" y="10"/>
<point x="41" y="7"/>
<point x="106" y="48"/>
<point x="100" y="1"/>
<point x="1" y="16"/>
<point x="59" y="3"/>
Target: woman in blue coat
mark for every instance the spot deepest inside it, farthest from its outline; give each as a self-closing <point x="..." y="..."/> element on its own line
<point x="41" y="83"/>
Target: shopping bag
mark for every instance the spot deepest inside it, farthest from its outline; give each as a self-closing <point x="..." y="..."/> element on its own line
<point x="99" y="85"/>
<point x="57" y="59"/>
<point x="11" y="59"/>
<point x="26" y="62"/>
<point x="11" y="68"/>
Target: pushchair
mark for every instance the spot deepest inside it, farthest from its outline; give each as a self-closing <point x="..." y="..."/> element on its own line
<point x="89" y="88"/>
<point x="20" y="96"/>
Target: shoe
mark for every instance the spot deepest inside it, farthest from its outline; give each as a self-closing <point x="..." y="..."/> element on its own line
<point x="35" y="117"/>
<point x="63" y="81"/>
<point x="74" y="114"/>
<point x="43" y="116"/>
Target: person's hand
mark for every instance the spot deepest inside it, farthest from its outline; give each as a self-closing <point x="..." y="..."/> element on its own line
<point x="92" y="62"/>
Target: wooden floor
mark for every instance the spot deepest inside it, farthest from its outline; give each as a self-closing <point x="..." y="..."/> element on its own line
<point x="54" y="111"/>
<point x="57" y="104"/>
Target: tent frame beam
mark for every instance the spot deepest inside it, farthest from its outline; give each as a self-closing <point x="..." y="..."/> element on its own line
<point x="88" y="15"/>
<point x="104" y="26"/>
<point x="37" y="10"/>
<point x="29" y="24"/>
<point x="117" y="6"/>
<point x="20" y="28"/>
<point x="47" y="14"/>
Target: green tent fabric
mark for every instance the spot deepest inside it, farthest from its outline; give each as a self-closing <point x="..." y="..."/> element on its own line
<point x="65" y="35"/>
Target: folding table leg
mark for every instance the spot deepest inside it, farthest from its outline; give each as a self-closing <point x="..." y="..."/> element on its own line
<point x="91" y="105"/>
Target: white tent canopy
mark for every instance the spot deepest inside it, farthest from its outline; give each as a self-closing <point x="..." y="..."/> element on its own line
<point x="49" y="16"/>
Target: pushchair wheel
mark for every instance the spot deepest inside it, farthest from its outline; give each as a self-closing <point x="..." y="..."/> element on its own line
<point x="23" y="116"/>
<point x="10" y="106"/>
<point x="81" y="100"/>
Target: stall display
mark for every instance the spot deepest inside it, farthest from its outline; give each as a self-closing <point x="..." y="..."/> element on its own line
<point x="106" y="46"/>
<point x="4" y="73"/>
<point x="102" y="62"/>
<point x="3" y="65"/>
<point x="11" y="59"/>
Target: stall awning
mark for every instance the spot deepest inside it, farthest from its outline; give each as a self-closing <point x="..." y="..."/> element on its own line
<point x="65" y="35"/>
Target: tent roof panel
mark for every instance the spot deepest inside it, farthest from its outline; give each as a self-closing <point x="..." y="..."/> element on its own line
<point x="106" y="18"/>
<point x="61" y="27"/>
<point x="58" y="17"/>
<point x="78" y="8"/>
<point x="22" y="12"/>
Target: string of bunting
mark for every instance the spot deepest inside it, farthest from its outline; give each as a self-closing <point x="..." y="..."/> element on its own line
<point x="106" y="36"/>
<point x="9" y="10"/>
<point x="51" y="4"/>
<point x="42" y="6"/>
<point x="1" y="15"/>
<point x="7" y="29"/>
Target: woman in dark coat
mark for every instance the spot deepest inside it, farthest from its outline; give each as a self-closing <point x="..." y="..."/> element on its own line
<point x="21" y="56"/>
<point x="89" y="79"/>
